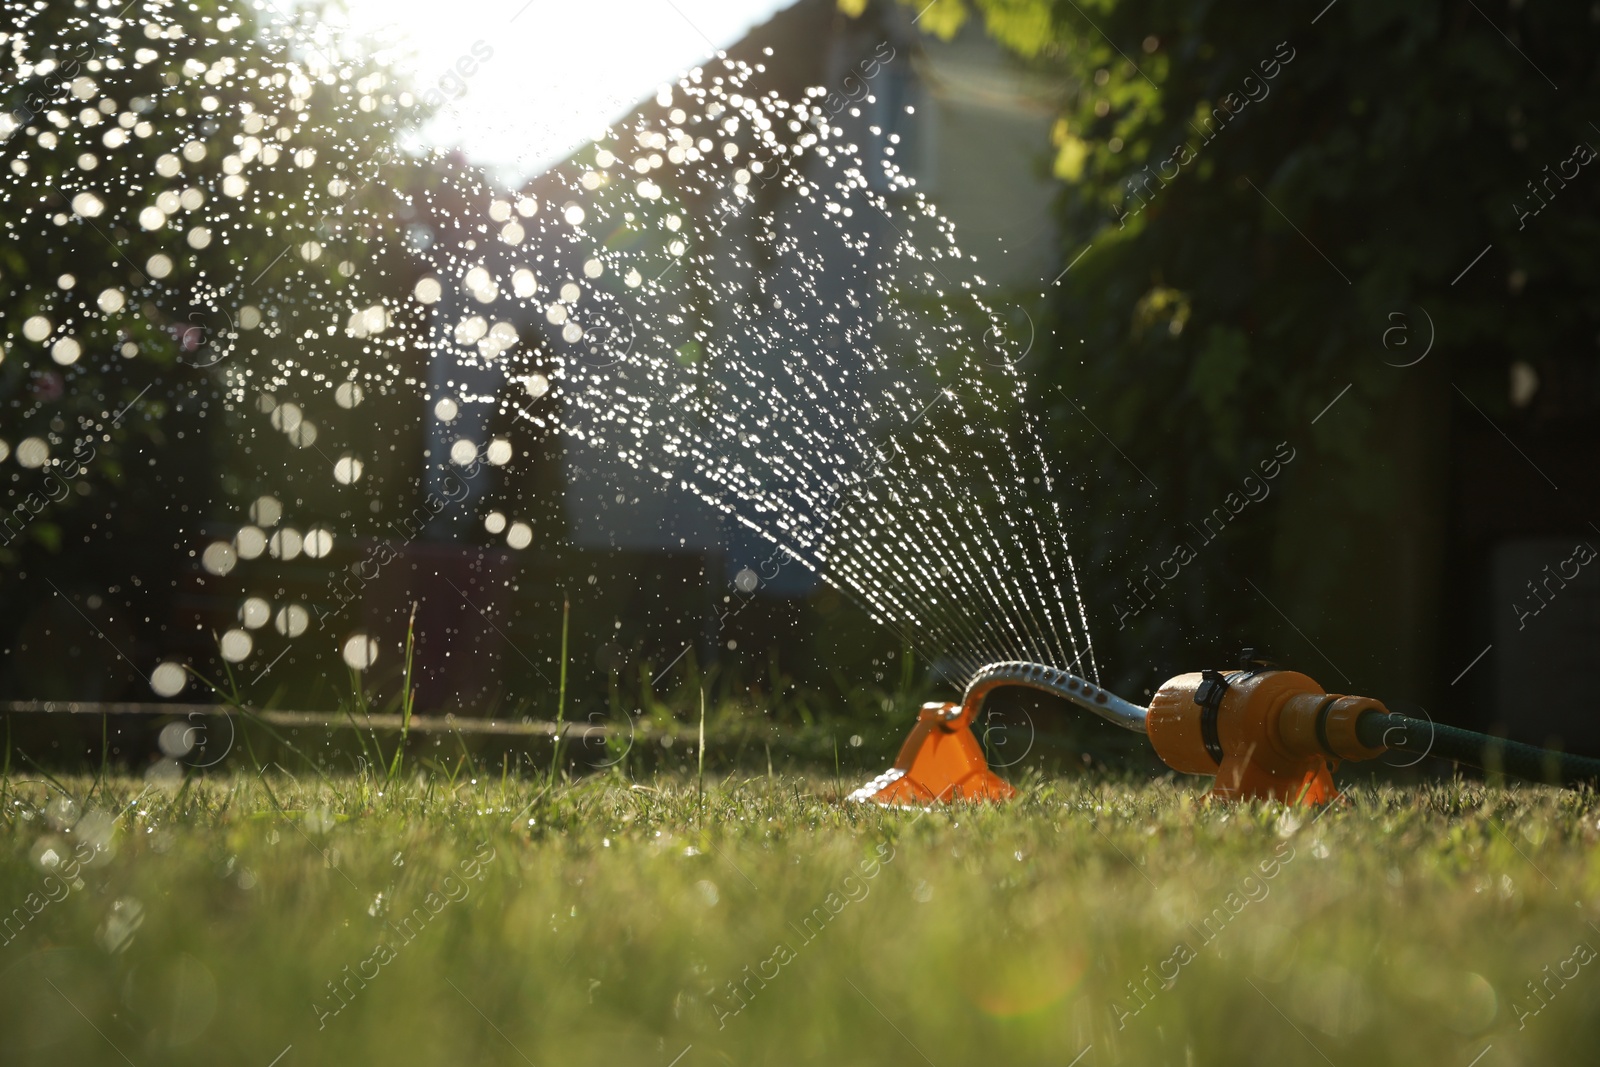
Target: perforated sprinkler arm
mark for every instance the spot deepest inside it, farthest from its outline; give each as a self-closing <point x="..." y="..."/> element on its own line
<point x="1080" y="691"/>
<point x="1260" y="731"/>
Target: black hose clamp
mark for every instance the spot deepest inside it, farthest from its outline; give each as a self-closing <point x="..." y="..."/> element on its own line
<point x="1208" y="697"/>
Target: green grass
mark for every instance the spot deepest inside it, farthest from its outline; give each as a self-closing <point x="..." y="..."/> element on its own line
<point x="602" y="922"/>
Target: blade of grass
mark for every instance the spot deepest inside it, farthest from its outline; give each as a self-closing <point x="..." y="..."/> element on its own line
<point x="373" y="758"/>
<point x="104" y="749"/>
<point x="250" y="716"/>
<point x="5" y="775"/>
<point x="355" y="728"/>
<point x="408" y="700"/>
<point x="52" y="779"/>
<point x="561" y="694"/>
<point x="700" y="753"/>
<point x="466" y="756"/>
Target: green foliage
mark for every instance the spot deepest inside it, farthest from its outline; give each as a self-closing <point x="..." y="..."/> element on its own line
<point x="1257" y="195"/>
<point x="164" y="233"/>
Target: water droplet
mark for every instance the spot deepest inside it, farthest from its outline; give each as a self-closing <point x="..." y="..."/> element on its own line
<point x="318" y="542"/>
<point x="66" y="351"/>
<point x="236" y="645"/>
<point x="168" y="679"/>
<point x="250" y="542"/>
<point x="266" y="511"/>
<point x="255" y="613"/>
<point x="176" y="739"/>
<point x="292" y="620"/>
<point x="285" y="544"/>
<point x="360" y="651"/>
<point x="347" y="469"/>
<point x="219" y="558"/>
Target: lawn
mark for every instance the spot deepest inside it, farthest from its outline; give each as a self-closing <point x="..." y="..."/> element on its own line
<point x="260" y="919"/>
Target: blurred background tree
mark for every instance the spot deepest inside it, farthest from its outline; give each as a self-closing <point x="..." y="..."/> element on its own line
<point x="192" y="191"/>
<point x="1265" y="208"/>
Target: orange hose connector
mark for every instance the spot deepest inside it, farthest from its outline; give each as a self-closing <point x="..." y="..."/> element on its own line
<point x="1262" y="733"/>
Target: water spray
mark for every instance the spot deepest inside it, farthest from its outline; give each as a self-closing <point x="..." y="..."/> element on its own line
<point x="1262" y="732"/>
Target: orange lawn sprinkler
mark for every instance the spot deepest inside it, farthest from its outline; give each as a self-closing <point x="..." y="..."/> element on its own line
<point x="1260" y="731"/>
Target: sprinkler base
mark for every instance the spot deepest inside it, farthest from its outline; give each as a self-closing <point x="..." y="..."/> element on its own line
<point x="941" y="762"/>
